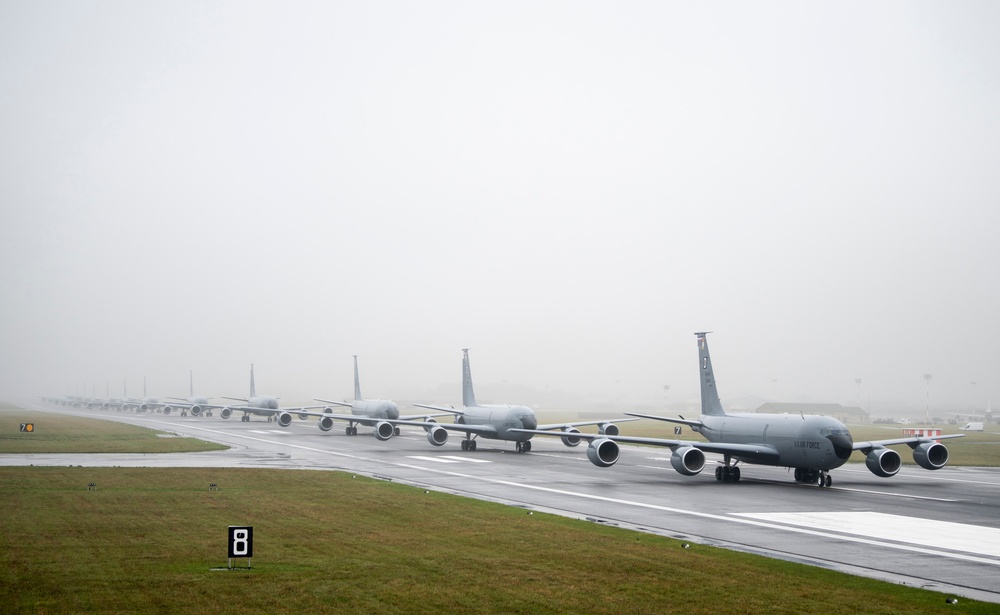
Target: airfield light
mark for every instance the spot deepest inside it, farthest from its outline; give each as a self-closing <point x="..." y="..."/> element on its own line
<point x="927" y="378"/>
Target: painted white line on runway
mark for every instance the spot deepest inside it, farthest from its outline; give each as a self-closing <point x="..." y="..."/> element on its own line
<point x="434" y="459"/>
<point x="726" y="518"/>
<point x="465" y="459"/>
<point x="882" y="526"/>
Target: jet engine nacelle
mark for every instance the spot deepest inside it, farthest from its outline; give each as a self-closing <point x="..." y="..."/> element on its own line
<point x="284" y="419"/>
<point x="608" y="429"/>
<point x="884" y="462"/>
<point x="430" y="419"/>
<point x="167" y="410"/>
<point x="570" y="440"/>
<point x="325" y="424"/>
<point x="603" y="453"/>
<point x="688" y="460"/>
<point x="437" y="435"/>
<point x="383" y="431"/>
<point x="931" y="455"/>
<point x="303" y="416"/>
<point x="226" y="413"/>
<point x="141" y="408"/>
<point x="196" y="410"/>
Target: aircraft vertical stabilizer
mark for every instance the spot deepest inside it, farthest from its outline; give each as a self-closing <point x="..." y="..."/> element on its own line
<point x="468" y="396"/>
<point x="710" y="404"/>
<point x="253" y="392"/>
<point x="357" y="381"/>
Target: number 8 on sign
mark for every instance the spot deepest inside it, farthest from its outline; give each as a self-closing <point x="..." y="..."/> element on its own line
<point x="240" y="541"/>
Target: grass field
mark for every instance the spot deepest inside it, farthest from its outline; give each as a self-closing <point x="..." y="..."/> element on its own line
<point x="146" y="539"/>
<point x="60" y="433"/>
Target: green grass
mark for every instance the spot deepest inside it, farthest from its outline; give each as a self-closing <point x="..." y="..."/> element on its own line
<point x="60" y="433"/>
<point x="146" y="539"/>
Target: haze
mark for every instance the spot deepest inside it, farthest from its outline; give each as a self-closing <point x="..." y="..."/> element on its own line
<point x="570" y="189"/>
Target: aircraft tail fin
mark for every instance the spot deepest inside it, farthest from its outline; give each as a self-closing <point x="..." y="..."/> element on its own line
<point x="191" y="374"/>
<point x="468" y="395"/>
<point x="710" y="404"/>
<point x="253" y="392"/>
<point x="357" y="381"/>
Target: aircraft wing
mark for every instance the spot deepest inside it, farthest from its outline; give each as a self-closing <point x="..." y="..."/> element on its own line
<point x="912" y="441"/>
<point x="760" y="452"/>
<point x="418" y="417"/>
<point x="336" y="403"/>
<point x="582" y="423"/>
<point x="446" y="409"/>
<point x="681" y="420"/>
<point x="487" y="431"/>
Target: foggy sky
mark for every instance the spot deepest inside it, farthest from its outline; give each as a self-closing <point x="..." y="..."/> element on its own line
<point x="570" y="189"/>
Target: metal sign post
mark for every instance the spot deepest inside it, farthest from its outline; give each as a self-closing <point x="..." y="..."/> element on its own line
<point x="240" y="543"/>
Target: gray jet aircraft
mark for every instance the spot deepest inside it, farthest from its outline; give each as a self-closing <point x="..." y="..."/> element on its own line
<point x="264" y="405"/>
<point x="197" y="405"/>
<point x="812" y="445"/>
<point x="498" y="422"/>
<point x="380" y="414"/>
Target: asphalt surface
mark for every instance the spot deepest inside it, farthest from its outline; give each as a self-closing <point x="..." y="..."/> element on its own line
<point x="938" y="530"/>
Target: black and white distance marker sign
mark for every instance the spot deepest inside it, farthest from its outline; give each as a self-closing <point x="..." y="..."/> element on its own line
<point x="240" y="543"/>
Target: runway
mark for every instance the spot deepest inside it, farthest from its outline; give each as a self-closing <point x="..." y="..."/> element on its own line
<point x="938" y="530"/>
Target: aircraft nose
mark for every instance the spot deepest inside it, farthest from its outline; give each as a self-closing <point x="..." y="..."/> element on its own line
<point x="843" y="445"/>
<point x="391" y="411"/>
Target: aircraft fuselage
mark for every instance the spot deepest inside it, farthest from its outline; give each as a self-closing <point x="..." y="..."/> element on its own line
<point x="501" y="417"/>
<point x="812" y="442"/>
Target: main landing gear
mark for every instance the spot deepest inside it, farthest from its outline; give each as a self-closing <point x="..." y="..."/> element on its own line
<point x="727" y="473"/>
<point x="523" y="447"/>
<point x="468" y="445"/>
<point x="351" y="430"/>
<point x="821" y="478"/>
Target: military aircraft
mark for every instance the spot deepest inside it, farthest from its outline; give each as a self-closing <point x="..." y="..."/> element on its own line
<point x="263" y="405"/>
<point x="498" y="422"/>
<point x="812" y="445"/>
<point x="377" y="413"/>
<point x="197" y="405"/>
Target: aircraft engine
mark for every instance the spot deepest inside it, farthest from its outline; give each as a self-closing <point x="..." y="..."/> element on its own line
<point x="603" y="453"/>
<point x="931" y="455"/>
<point x="196" y="410"/>
<point x="167" y="410"/>
<point x="284" y="419"/>
<point x="325" y="424"/>
<point x="141" y="408"/>
<point x="328" y="410"/>
<point x="608" y="429"/>
<point x="688" y="460"/>
<point x="570" y="440"/>
<point x="303" y="416"/>
<point x="884" y="462"/>
<point x="383" y="431"/>
<point x="437" y="435"/>
<point x="429" y="420"/>
<point x="226" y="413"/>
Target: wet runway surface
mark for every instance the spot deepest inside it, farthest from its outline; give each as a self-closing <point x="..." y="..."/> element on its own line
<point x="939" y="530"/>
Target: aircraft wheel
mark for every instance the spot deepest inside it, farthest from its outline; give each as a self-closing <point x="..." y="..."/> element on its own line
<point x="527" y="446"/>
<point x="472" y="445"/>
<point x="829" y="480"/>
<point x="718" y="473"/>
<point x="465" y="445"/>
<point x="736" y="475"/>
<point x="396" y="432"/>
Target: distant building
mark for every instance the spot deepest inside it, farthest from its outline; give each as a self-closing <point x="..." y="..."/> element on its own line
<point x="844" y="414"/>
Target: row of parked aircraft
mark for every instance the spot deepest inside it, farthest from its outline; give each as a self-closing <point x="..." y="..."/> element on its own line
<point x="812" y="445"/>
